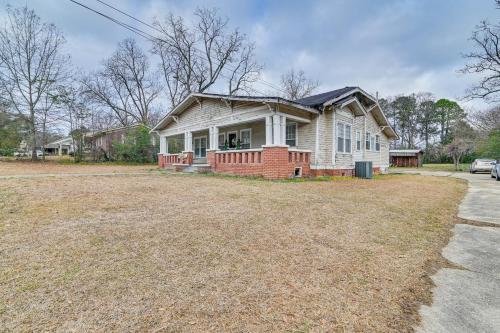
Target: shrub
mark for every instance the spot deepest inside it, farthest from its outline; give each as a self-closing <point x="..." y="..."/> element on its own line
<point x="136" y="147"/>
<point x="7" y="151"/>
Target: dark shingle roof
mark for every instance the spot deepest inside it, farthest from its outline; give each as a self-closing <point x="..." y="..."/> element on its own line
<point x="317" y="100"/>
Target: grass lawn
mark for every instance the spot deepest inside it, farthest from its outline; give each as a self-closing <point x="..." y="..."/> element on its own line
<point x="192" y="253"/>
<point x="463" y="167"/>
<point x="27" y="167"/>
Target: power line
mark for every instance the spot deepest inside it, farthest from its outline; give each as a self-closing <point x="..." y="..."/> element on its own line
<point x="153" y="38"/>
<point x="160" y="31"/>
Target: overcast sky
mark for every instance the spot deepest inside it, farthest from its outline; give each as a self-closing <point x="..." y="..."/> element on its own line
<point x="386" y="46"/>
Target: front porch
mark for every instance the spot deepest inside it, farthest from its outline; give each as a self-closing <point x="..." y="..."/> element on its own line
<point x="265" y="147"/>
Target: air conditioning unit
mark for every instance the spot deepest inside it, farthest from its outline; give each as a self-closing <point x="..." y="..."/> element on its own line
<point x="363" y="169"/>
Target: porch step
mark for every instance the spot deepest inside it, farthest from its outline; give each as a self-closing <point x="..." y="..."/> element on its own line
<point x="199" y="168"/>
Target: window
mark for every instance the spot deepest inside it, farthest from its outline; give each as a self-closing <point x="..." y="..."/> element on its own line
<point x="377" y="142"/>
<point x="358" y="140"/>
<point x="291" y="134"/>
<point x="222" y="140"/>
<point x="348" y="141"/>
<point x="372" y="142"/>
<point x="246" y="138"/>
<point x="367" y="141"/>
<point x="340" y="137"/>
<point x="344" y="141"/>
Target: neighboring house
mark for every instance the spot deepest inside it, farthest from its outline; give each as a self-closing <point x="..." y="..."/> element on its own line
<point x="60" y="147"/>
<point x="102" y="141"/>
<point x="406" y="158"/>
<point x="276" y="138"/>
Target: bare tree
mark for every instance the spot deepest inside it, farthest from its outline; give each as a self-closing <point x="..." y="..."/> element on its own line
<point x="462" y="142"/>
<point x="485" y="60"/>
<point x="296" y="85"/>
<point x="194" y="58"/>
<point x="486" y="120"/>
<point x="125" y="85"/>
<point x="31" y="63"/>
<point x="77" y="115"/>
<point x="47" y="114"/>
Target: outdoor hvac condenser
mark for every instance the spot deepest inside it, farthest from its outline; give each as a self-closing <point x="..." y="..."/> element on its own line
<point x="364" y="169"/>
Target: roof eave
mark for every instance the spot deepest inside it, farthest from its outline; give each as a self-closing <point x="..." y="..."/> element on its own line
<point x="271" y="100"/>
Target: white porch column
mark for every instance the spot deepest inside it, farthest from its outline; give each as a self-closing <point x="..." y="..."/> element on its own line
<point x="283" y="130"/>
<point x="162" y="145"/>
<point x="276" y="129"/>
<point x="188" y="141"/>
<point x="60" y="149"/>
<point x="211" y="138"/>
<point x="166" y="145"/>
<point x="216" y="138"/>
<point x="269" y="130"/>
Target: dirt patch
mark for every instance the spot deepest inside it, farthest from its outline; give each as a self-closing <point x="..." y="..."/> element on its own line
<point x="173" y="253"/>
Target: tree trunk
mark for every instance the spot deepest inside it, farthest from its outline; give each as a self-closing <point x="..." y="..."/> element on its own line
<point x="33" y="144"/>
<point x="33" y="133"/>
<point x="456" y="161"/>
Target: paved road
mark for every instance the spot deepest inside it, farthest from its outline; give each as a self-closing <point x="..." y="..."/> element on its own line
<point x="468" y="299"/>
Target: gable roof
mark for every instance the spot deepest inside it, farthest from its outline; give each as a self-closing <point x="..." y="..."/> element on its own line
<point x="320" y="99"/>
<point x="314" y="104"/>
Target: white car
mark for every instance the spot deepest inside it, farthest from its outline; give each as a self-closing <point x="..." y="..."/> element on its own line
<point x="481" y="165"/>
<point x="39" y="153"/>
<point x="495" y="171"/>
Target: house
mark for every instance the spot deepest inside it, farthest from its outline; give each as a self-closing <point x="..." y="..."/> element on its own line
<point x="276" y="138"/>
<point x="60" y="147"/>
<point x="406" y="158"/>
<point x="101" y="142"/>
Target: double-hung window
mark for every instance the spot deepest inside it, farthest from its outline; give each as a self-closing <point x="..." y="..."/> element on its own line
<point x="340" y="137"/>
<point x="358" y="140"/>
<point x="291" y="134"/>
<point x="368" y="137"/>
<point x="377" y="142"/>
<point x="246" y="138"/>
<point x="222" y="140"/>
<point x="344" y="140"/>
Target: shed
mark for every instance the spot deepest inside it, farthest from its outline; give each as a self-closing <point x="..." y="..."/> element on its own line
<point x="406" y="158"/>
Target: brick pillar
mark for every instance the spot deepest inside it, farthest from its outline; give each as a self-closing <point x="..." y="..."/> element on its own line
<point x="275" y="162"/>
<point x="189" y="158"/>
<point x="211" y="160"/>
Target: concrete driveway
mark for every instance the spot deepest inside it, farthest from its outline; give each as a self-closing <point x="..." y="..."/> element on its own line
<point x="468" y="299"/>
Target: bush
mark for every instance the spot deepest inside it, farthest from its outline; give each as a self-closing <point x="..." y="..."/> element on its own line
<point x="7" y="151"/>
<point x="137" y="147"/>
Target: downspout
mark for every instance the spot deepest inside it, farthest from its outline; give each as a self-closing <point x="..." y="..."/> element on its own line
<point x="364" y="136"/>
<point x="334" y="139"/>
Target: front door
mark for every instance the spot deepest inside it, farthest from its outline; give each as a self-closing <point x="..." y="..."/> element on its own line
<point x="200" y="147"/>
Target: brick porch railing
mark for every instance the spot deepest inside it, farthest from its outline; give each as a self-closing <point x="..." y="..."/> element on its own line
<point x="169" y="160"/>
<point x="270" y="162"/>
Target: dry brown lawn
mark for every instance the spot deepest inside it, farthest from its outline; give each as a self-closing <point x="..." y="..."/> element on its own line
<point x="51" y="167"/>
<point x="193" y="253"/>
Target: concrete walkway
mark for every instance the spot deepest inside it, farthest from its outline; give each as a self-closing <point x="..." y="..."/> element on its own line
<point x="468" y="299"/>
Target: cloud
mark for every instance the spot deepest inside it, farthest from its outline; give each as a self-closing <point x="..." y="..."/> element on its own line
<point x="389" y="46"/>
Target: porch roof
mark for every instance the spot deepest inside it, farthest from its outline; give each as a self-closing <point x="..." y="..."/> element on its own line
<point x="262" y="99"/>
